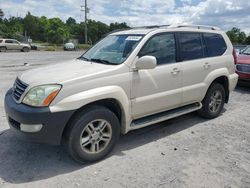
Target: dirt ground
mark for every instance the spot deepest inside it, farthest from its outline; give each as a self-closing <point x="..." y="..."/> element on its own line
<point x="183" y="152"/>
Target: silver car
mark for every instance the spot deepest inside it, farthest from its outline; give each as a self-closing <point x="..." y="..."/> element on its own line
<point x="12" y="44"/>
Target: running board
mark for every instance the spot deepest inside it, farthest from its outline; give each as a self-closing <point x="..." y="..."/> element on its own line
<point x="163" y="116"/>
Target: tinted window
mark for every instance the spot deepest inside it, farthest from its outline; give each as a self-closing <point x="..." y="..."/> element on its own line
<point x="215" y="44"/>
<point x="9" y="41"/>
<point x="162" y="47"/>
<point x="191" y="46"/>
<point x="1" y="41"/>
<point x="15" y="41"/>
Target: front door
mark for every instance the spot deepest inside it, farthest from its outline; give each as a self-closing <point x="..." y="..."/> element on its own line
<point x="158" y="89"/>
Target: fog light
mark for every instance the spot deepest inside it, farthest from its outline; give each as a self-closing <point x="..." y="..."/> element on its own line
<point x="31" y="128"/>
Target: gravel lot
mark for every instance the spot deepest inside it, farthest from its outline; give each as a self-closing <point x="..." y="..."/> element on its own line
<point x="184" y="152"/>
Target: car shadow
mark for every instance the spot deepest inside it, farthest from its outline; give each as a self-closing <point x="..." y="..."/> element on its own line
<point x="243" y="87"/>
<point x="22" y="162"/>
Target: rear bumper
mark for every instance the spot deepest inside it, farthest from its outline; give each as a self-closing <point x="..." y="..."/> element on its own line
<point x="233" y="80"/>
<point x="23" y="118"/>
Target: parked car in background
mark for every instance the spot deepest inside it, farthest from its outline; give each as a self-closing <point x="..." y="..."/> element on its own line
<point x="69" y="46"/>
<point x="243" y="65"/>
<point x="239" y="48"/>
<point x="12" y="44"/>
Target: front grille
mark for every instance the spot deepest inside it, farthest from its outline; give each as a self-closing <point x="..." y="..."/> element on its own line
<point x="18" y="89"/>
<point x="243" y="68"/>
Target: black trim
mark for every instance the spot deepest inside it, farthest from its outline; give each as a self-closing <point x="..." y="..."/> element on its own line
<point x="53" y="123"/>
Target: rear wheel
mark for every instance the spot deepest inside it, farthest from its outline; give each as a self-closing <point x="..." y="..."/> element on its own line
<point x="92" y="134"/>
<point x="3" y="49"/>
<point x="213" y="102"/>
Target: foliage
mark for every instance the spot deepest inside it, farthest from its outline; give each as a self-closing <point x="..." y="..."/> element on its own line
<point x="238" y="37"/>
<point x="54" y="30"/>
<point x="83" y="46"/>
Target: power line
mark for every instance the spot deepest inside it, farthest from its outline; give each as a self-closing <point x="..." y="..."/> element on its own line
<point x="86" y="11"/>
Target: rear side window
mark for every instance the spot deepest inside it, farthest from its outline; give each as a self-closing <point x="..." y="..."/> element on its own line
<point x="1" y="41"/>
<point x="215" y="44"/>
<point x="191" y="46"/>
<point x="9" y="41"/>
<point x="162" y="47"/>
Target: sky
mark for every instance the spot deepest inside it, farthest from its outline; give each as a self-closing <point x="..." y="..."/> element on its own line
<point x="222" y="13"/>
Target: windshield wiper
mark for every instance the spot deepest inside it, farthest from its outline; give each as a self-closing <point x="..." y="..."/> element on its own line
<point x="83" y="58"/>
<point x="245" y="53"/>
<point x="103" y="61"/>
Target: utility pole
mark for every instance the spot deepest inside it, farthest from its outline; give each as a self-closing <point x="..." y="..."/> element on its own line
<point x="86" y="10"/>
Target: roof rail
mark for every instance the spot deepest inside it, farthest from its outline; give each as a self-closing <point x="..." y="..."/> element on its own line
<point x="196" y="26"/>
<point x="150" y="27"/>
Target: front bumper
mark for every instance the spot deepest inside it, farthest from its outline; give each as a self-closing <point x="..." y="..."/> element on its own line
<point x="49" y="126"/>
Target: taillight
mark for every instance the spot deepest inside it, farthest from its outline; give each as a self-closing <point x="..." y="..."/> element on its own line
<point x="235" y="56"/>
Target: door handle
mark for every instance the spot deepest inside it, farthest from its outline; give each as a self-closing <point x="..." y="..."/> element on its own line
<point x="207" y="65"/>
<point x="175" y="71"/>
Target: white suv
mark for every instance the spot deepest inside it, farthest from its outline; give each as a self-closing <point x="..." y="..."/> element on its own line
<point x="129" y="80"/>
<point x="12" y="44"/>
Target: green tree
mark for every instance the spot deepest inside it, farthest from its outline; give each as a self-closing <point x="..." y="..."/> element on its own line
<point x="71" y="21"/>
<point x="248" y="39"/>
<point x="236" y="36"/>
<point x="118" y="26"/>
<point x="57" y="31"/>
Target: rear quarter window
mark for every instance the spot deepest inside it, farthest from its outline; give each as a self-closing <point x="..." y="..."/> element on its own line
<point x="215" y="44"/>
<point x="1" y="41"/>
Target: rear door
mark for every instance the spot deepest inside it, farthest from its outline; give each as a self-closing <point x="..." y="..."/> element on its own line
<point x="200" y="54"/>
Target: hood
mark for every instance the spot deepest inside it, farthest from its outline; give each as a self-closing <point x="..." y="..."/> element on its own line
<point x="243" y="59"/>
<point x="60" y="73"/>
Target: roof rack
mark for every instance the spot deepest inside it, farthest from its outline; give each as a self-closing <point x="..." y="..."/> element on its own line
<point x="195" y="26"/>
<point x="150" y="27"/>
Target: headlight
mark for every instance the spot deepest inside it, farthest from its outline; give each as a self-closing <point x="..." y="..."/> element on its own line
<point x="41" y="95"/>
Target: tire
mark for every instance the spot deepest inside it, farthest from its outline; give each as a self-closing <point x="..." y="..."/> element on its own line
<point x="95" y="128"/>
<point x="25" y="49"/>
<point x="3" y="49"/>
<point x="213" y="102"/>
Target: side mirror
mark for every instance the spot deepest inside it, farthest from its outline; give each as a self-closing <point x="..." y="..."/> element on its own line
<point x="146" y="62"/>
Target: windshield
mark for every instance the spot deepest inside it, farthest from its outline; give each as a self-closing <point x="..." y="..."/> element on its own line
<point x="246" y="51"/>
<point x="114" y="49"/>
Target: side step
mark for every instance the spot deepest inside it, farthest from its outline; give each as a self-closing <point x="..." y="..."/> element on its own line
<point x="163" y="116"/>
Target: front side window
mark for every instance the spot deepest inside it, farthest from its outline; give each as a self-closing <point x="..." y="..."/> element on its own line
<point x="114" y="49"/>
<point x="191" y="46"/>
<point x="162" y="47"/>
<point x="215" y="44"/>
<point x="15" y="42"/>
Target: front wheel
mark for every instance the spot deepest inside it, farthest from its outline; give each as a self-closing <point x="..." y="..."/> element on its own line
<point x="213" y="102"/>
<point x="25" y="49"/>
<point x="92" y="134"/>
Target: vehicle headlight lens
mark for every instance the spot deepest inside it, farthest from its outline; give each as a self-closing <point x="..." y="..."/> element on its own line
<point x="41" y="95"/>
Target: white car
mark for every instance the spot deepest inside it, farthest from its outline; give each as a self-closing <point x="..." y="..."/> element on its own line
<point x="69" y="46"/>
<point x="129" y="80"/>
<point x="12" y="44"/>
